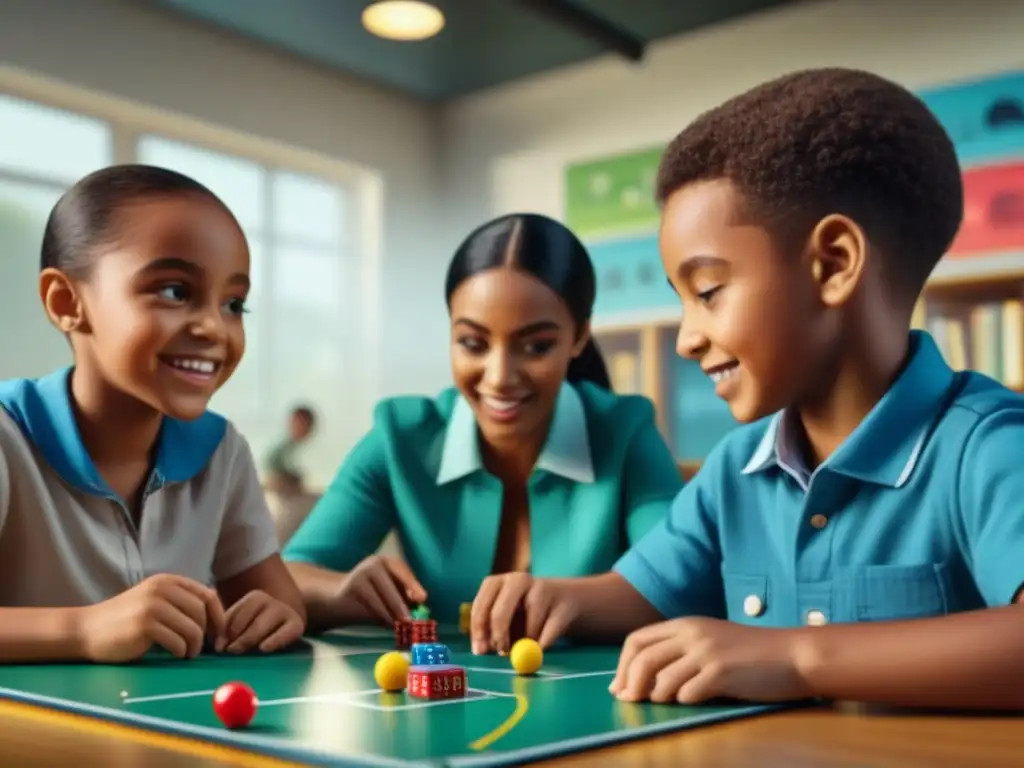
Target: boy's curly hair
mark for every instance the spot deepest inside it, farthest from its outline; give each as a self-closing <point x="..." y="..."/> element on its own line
<point x="823" y="141"/>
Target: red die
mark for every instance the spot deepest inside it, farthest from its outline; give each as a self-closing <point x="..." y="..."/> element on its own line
<point x="437" y="682"/>
<point x="412" y="631"/>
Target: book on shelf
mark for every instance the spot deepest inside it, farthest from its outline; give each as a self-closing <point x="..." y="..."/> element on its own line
<point x="987" y="338"/>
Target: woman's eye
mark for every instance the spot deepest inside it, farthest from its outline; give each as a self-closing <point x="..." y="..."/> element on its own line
<point x="539" y="347"/>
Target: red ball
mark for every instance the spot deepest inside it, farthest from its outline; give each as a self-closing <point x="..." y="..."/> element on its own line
<point x="235" y="704"/>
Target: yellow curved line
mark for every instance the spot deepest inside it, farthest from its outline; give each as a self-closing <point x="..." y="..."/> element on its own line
<point x="151" y="739"/>
<point x="522" y="705"/>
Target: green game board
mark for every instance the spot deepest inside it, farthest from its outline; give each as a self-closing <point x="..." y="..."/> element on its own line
<point x="320" y="705"/>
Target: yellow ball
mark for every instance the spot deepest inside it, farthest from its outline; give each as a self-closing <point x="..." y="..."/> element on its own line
<point x="526" y="656"/>
<point x="391" y="671"/>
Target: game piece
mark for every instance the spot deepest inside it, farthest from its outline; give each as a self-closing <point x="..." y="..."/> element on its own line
<point x="411" y="631"/>
<point x="437" y="682"/>
<point x="391" y="671"/>
<point x="235" y="704"/>
<point x="421" y="613"/>
<point x="430" y="654"/>
<point x="465" y="612"/>
<point x="526" y="656"/>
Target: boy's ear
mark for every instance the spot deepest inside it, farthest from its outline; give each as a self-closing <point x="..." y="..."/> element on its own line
<point x="61" y="301"/>
<point x="838" y="253"/>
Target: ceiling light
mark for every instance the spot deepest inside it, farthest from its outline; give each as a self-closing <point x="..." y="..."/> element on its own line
<point x="403" y="19"/>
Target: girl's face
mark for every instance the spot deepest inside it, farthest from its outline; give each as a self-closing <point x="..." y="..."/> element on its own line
<point x="160" y="313"/>
<point x="512" y="341"/>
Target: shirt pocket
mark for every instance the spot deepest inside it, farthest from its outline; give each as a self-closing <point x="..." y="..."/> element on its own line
<point x="746" y="597"/>
<point x="895" y="592"/>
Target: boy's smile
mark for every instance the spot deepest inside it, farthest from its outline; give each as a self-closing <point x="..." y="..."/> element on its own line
<point x="750" y="313"/>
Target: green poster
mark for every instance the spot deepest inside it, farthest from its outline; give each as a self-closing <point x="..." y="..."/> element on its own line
<point x="612" y="196"/>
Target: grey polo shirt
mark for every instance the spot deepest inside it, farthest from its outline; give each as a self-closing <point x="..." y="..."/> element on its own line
<point x="65" y="537"/>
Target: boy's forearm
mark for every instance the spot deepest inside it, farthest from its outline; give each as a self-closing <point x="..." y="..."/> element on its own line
<point x="320" y="588"/>
<point x="608" y="608"/>
<point x="39" y="634"/>
<point x="971" y="660"/>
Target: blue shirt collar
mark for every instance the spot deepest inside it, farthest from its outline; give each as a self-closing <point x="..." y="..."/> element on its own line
<point x="42" y="410"/>
<point x="884" y="448"/>
<point x="566" y="451"/>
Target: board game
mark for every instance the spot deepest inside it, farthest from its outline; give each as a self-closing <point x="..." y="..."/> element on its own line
<point x="319" y="704"/>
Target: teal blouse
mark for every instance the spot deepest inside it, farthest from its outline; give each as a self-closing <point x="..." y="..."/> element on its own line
<point x="604" y="477"/>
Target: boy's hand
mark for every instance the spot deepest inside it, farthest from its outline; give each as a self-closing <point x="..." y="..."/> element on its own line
<point x="549" y="610"/>
<point x="166" y="610"/>
<point x="692" y="660"/>
<point x="379" y="588"/>
<point x="260" y="621"/>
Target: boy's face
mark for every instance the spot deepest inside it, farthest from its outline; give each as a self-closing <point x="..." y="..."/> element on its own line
<point x="162" y="308"/>
<point x="752" y="316"/>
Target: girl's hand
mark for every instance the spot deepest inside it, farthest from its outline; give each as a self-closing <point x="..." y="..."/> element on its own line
<point x="165" y="610"/>
<point x="262" y="622"/>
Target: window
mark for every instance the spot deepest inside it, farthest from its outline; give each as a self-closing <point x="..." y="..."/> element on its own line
<point x="302" y="299"/>
<point x="42" y="152"/>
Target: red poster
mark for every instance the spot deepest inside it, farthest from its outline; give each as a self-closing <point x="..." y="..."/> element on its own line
<point x="993" y="210"/>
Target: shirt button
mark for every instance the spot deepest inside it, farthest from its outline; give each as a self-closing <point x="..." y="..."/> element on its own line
<point x="819" y="521"/>
<point x="753" y="605"/>
<point x="816" y="619"/>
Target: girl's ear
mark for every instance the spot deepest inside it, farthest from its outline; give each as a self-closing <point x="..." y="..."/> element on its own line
<point x="61" y="301"/>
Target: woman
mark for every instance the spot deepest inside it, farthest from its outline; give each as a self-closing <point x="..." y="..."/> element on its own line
<point x="530" y="463"/>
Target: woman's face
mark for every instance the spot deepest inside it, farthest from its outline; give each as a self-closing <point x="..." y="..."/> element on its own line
<point x="512" y="341"/>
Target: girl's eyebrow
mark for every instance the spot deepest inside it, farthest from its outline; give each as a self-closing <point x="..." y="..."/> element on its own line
<point x="168" y="263"/>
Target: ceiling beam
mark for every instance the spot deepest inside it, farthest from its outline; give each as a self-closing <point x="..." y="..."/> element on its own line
<point x="589" y="24"/>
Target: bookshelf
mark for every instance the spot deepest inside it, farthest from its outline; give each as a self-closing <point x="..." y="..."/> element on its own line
<point x="974" y="312"/>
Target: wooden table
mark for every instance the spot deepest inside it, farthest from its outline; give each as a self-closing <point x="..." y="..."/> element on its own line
<point x="822" y="738"/>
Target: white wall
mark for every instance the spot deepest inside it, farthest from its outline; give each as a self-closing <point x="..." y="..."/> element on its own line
<point x="127" y="50"/>
<point x="505" y="150"/>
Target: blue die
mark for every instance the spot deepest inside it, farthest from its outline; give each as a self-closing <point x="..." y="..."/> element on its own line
<point x="429" y="654"/>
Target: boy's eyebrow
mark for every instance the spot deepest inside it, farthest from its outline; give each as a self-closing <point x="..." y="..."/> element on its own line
<point x="184" y="265"/>
<point x="692" y="264"/>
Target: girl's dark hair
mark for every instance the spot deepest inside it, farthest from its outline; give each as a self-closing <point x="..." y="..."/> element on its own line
<point x="87" y="215"/>
<point x="549" y="251"/>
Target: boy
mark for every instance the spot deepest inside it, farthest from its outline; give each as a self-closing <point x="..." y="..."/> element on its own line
<point x="283" y="475"/>
<point x="866" y="542"/>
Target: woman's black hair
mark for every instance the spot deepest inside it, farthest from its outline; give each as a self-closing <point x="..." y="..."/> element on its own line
<point x="87" y="215"/>
<point x="549" y="251"/>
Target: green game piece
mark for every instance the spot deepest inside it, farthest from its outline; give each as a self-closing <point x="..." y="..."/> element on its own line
<point x="421" y="613"/>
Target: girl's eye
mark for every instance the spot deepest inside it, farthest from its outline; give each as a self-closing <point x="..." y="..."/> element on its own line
<point x="472" y="345"/>
<point x="706" y="296"/>
<point x="236" y="306"/>
<point x="173" y="292"/>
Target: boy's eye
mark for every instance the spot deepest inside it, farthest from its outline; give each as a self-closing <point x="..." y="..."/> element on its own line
<point x="706" y="296"/>
<point x="173" y="292"/>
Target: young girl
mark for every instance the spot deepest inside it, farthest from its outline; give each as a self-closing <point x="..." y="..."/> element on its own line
<point x="130" y="516"/>
<point x="530" y="464"/>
